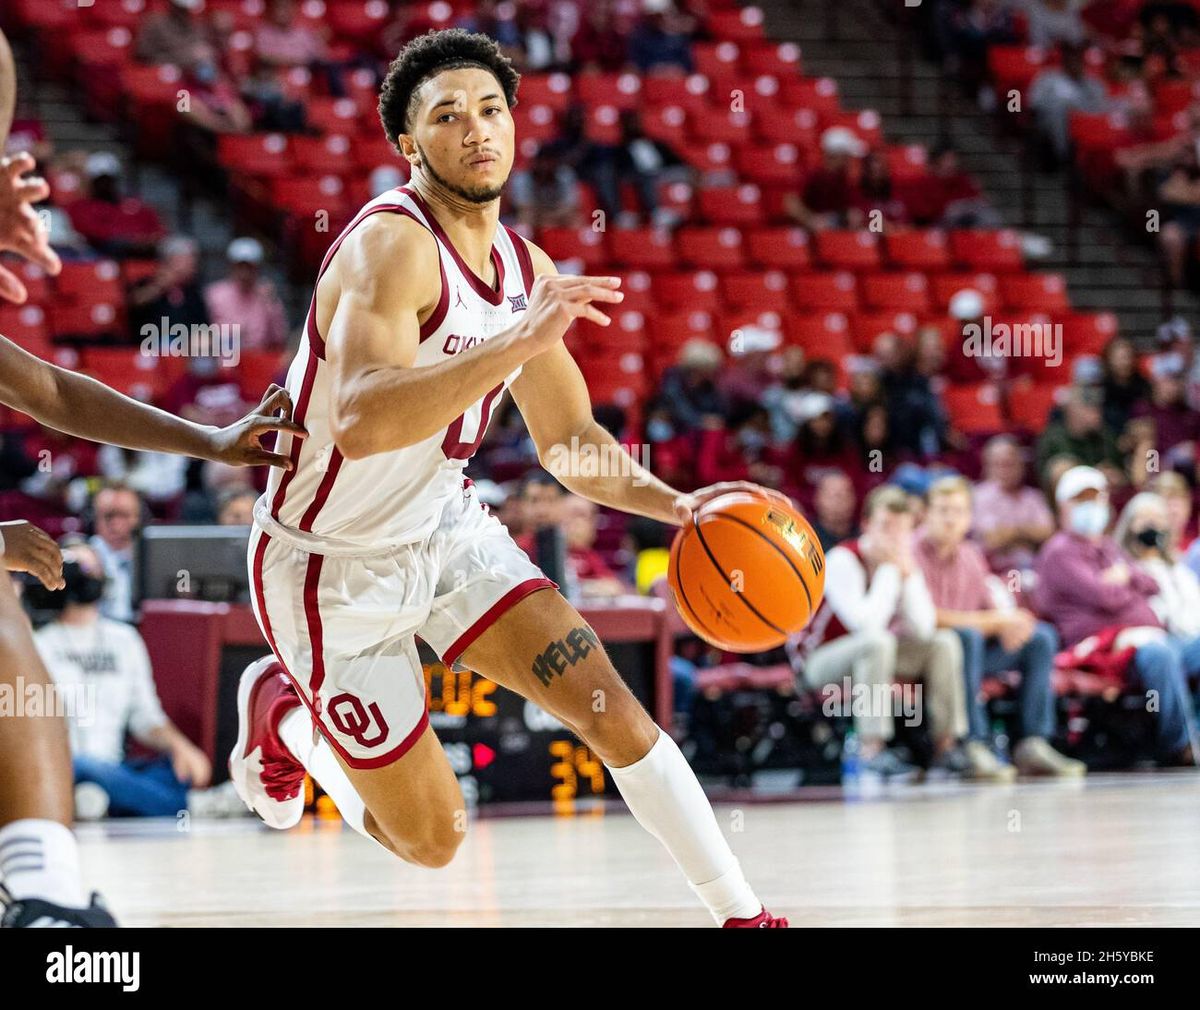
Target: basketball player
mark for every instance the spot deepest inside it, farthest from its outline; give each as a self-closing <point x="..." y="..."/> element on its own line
<point x="426" y="311"/>
<point x="39" y="860"/>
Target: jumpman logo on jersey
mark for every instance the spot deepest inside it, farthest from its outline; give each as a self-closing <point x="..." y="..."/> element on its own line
<point x="517" y="302"/>
<point x="460" y="301"/>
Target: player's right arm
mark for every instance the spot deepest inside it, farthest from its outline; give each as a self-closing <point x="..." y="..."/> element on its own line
<point x="384" y="276"/>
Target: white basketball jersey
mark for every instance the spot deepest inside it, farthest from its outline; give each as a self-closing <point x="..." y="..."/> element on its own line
<point x="396" y="497"/>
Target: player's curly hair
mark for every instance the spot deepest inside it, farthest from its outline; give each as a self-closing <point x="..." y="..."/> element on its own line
<point x="429" y="54"/>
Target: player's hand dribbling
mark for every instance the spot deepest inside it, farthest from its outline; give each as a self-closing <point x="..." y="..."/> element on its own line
<point x="557" y="300"/>
<point x="29" y="549"/>
<point x="240" y="444"/>
<point x="687" y="504"/>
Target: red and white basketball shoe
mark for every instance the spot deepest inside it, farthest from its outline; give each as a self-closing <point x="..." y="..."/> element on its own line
<point x="764" y="920"/>
<point x="267" y="777"/>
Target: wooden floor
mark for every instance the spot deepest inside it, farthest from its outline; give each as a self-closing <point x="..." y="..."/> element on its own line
<point x="1115" y="850"/>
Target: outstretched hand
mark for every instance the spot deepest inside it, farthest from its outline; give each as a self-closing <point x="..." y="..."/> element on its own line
<point x="687" y="504"/>
<point x="240" y="444"/>
<point x="21" y="230"/>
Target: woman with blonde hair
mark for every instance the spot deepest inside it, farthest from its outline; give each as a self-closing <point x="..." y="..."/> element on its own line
<point x="1174" y="489"/>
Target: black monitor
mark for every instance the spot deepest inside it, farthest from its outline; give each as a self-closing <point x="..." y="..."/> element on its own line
<point x="193" y="563"/>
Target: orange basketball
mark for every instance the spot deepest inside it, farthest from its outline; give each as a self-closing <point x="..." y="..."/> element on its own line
<point x="747" y="572"/>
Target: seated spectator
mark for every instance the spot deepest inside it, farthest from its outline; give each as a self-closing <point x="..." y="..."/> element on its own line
<point x="662" y="38"/>
<point x="235" y="506"/>
<point x="1178" y="196"/>
<point x="967" y="30"/>
<point x="592" y="575"/>
<point x="114" y="224"/>
<point x="915" y="415"/>
<point x="116" y="517"/>
<point x="1056" y="92"/>
<point x="1054" y="22"/>
<point x="207" y="393"/>
<point x="180" y="35"/>
<point x="689" y="390"/>
<point x="820" y="445"/>
<point x="1011" y="519"/>
<point x="948" y="196"/>
<point x="996" y="635"/>
<point x="1177" y="494"/>
<point x="160" y="477"/>
<point x="1088" y="587"/>
<point x="1124" y="384"/>
<point x="214" y="105"/>
<point x="544" y="195"/>
<point x="831" y="190"/>
<point x="1080" y="434"/>
<point x="877" y="202"/>
<point x="784" y="391"/>
<point x="171" y="294"/>
<point x="599" y="44"/>
<point x="1176" y="425"/>
<point x="271" y="101"/>
<point x="751" y="366"/>
<point x="281" y="41"/>
<point x="638" y="159"/>
<point x="1142" y="532"/>
<point x="878" y="622"/>
<point x="834" y="510"/>
<point x="542" y="498"/>
<point x="739" y="448"/>
<point x="84" y="651"/>
<point x="58" y="459"/>
<point x="246" y="300"/>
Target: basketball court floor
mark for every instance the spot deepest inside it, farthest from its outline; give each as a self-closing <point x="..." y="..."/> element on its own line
<point x="1111" y="850"/>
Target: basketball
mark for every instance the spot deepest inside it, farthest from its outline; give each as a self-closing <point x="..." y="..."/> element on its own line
<point x="747" y="573"/>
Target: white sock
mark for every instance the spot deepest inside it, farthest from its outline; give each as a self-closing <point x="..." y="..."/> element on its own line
<point x="664" y="795"/>
<point x="40" y="859"/>
<point x="296" y="732"/>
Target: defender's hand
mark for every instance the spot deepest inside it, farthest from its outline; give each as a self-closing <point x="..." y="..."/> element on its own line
<point x="240" y="444"/>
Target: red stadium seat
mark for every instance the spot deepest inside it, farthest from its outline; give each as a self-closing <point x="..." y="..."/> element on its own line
<point x="867" y="326"/>
<point x="536" y="122"/>
<point x="637" y="286"/>
<point x="331" y="154"/>
<point x="820" y="94"/>
<point x="848" y="250"/>
<point x="306" y="195"/>
<point x="86" y="283"/>
<point x="35" y="279"/>
<point x="711" y="248"/>
<point x="744" y="24"/>
<point x="759" y="290"/>
<point x="1034" y="292"/>
<point x="828" y="291"/>
<point x="714" y="59"/>
<point x="718" y="124"/>
<point x="27" y="326"/>
<point x="667" y="123"/>
<point x="645" y="248"/>
<point x="584" y="244"/>
<point x="785" y="248"/>
<point x="1029" y="405"/>
<point x="987" y="250"/>
<point x="623" y="91"/>
<point x="139" y="375"/>
<point x="668" y="331"/>
<point x="357" y="21"/>
<point x="708" y="157"/>
<point x="334" y="115"/>
<point x="1015" y="67"/>
<point x="602" y="124"/>
<point x="692" y="289"/>
<point x="266" y="155"/>
<point x="906" y="292"/>
<point x="90" y="321"/>
<point x="974" y="410"/>
<point x="734" y="205"/>
<point x="822" y="334"/>
<point x="553" y="90"/>
<point x="1087" y="332"/>
<point x="690" y="92"/>
<point x="771" y="164"/>
<point x="783" y="59"/>
<point x="946" y="286"/>
<point x="925" y="249"/>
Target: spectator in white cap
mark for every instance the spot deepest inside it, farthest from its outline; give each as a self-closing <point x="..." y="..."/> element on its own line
<point x="247" y="300"/>
<point x="832" y="189"/>
<point x="172" y="294"/>
<point x="113" y="224"/>
<point x="1095" y="594"/>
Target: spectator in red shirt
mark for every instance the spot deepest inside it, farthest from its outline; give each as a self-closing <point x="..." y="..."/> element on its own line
<point x="113" y="224"/>
<point x="741" y="449"/>
<point x="1177" y="426"/>
<point x="599" y="44"/>
<point x="831" y="191"/>
<point x="947" y="196"/>
<point x="878" y="201"/>
<point x="592" y="575"/>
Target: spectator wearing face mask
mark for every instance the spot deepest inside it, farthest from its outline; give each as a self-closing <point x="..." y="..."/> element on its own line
<point x="1090" y="589"/>
<point x="1143" y="531"/>
<point x="105" y="662"/>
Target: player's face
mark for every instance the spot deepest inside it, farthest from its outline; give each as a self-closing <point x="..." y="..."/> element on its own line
<point x="463" y="134"/>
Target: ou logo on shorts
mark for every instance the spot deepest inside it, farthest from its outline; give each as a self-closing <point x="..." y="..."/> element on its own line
<point x="348" y="716"/>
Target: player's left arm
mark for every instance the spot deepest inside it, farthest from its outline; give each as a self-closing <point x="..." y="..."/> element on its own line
<point x="79" y="405"/>
<point x="553" y="399"/>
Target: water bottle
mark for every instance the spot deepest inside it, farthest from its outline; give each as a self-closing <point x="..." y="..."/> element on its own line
<point x="1000" y="742"/>
<point x="851" y="761"/>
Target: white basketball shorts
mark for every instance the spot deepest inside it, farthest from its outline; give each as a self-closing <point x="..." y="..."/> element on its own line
<point x="344" y="625"/>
